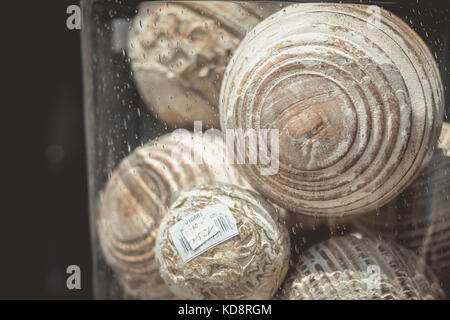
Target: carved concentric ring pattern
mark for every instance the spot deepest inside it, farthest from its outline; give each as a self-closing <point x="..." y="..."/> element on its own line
<point x="138" y="195"/>
<point x="358" y="105"/>
<point x="419" y="218"/>
<point x="347" y="268"/>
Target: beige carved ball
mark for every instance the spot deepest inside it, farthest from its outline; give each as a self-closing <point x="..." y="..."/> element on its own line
<point x="178" y="53"/>
<point x="138" y="194"/>
<point x="357" y="104"/>
<point x="419" y="218"/>
<point x="350" y="267"/>
<point x="444" y="139"/>
<point x="250" y="265"/>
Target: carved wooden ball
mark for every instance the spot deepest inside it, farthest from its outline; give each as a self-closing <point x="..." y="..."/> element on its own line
<point x="419" y="218"/>
<point x="344" y="268"/>
<point x="251" y="265"/>
<point x="179" y="51"/>
<point x="358" y="106"/>
<point x="137" y="196"/>
<point x="444" y="139"/>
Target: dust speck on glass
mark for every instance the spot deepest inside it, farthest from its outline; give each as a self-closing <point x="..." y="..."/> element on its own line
<point x="319" y="131"/>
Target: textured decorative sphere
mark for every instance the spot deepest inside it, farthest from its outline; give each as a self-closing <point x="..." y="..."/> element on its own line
<point x="419" y="218"/>
<point x="444" y="139"/>
<point x="179" y="51"/>
<point x="352" y="268"/>
<point x="138" y="195"/>
<point x="250" y="265"/>
<point x="358" y="105"/>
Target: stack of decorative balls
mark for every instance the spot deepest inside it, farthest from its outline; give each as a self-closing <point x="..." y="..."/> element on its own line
<point x="357" y="108"/>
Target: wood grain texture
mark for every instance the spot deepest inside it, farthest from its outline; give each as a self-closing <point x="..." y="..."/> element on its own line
<point x="444" y="139"/>
<point x="358" y="106"/>
<point x="138" y="195"/>
<point x="251" y="265"/>
<point x="341" y="269"/>
<point x="419" y="218"/>
<point x="179" y="51"/>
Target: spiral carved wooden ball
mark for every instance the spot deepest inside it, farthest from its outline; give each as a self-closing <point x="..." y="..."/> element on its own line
<point x="419" y="218"/>
<point x="179" y="51"/>
<point x="250" y="265"/>
<point x="358" y="106"/>
<point x="348" y="268"/>
<point x="138" y="195"/>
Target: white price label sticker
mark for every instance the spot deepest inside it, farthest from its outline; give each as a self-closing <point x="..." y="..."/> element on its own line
<point x="202" y="230"/>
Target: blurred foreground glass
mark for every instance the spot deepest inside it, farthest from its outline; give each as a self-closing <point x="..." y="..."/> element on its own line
<point x="151" y="68"/>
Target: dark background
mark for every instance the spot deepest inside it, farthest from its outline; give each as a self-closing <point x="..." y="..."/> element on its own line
<point x="44" y="213"/>
<point x="44" y="224"/>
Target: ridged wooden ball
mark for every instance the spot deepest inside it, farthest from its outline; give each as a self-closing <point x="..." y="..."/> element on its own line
<point x="178" y="53"/>
<point x="250" y="265"/>
<point x="419" y="218"/>
<point x="358" y="106"/>
<point x="444" y="139"/>
<point x="137" y="196"/>
<point x="344" y="268"/>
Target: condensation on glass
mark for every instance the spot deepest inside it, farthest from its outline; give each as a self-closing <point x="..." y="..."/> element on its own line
<point x="259" y="150"/>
